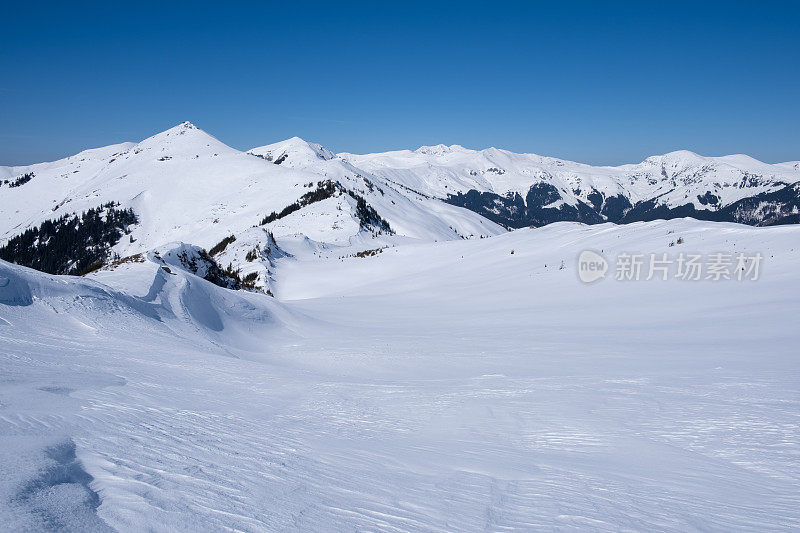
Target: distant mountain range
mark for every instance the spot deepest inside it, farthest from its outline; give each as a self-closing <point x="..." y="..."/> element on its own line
<point x="228" y="214"/>
<point x="518" y="190"/>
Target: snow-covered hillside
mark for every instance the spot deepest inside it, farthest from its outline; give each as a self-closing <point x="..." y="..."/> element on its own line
<point x="186" y="186"/>
<point x="448" y="386"/>
<point x="523" y="189"/>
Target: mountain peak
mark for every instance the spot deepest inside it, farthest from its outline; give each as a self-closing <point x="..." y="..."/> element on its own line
<point x="677" y="155"/>
<point x="674" y="158"/>
<point x="440" y="149"/>
<point x="184" y="137"/>
<point x="178" y="128"/>
<point x="293" y="151"/>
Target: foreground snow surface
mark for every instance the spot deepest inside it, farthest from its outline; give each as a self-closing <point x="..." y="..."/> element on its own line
<point x="438" y="387"/>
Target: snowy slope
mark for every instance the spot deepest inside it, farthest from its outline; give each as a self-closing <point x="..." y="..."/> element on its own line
<point x="680" y="181"/>
<point x="46" y="322"/>
<point x="450" y="386"/>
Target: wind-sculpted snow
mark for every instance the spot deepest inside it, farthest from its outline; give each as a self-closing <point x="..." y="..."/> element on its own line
<point x="60" y="498"/>
<point x="451" y="386"/>
<point x="14" y="291"/>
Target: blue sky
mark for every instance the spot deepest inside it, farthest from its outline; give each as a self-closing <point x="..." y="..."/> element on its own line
<point x="602" y="83"/>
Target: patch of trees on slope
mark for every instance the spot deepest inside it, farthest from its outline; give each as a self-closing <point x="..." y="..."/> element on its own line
<point x="73" y="244"/>
<point x="367" y="216"/>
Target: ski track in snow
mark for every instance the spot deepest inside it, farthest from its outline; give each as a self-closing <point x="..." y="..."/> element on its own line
<point x="440" y="387"/>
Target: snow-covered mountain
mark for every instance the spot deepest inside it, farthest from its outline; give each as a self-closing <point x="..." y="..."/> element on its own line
<point x="185" y="186"/>
<point x="183" y="189"/>
<point x="518" y="190"/>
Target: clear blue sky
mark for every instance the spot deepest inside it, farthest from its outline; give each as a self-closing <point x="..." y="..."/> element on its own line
<point x="590" y="81"/>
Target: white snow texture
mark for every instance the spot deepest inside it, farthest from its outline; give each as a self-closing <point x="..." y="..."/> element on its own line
<point x="456" y="377"/>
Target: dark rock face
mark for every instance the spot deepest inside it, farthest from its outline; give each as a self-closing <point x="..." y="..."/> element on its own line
<point x="652" y="210"/>
<point x="768" y="208"/>
<point x="708" y="198"/>
<point x="615" y="207"/>
<point x="536" y="209"/>
<point x="507" y="210"/>
<point x="515" y="212"/>
<point x="541" y="195"/>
